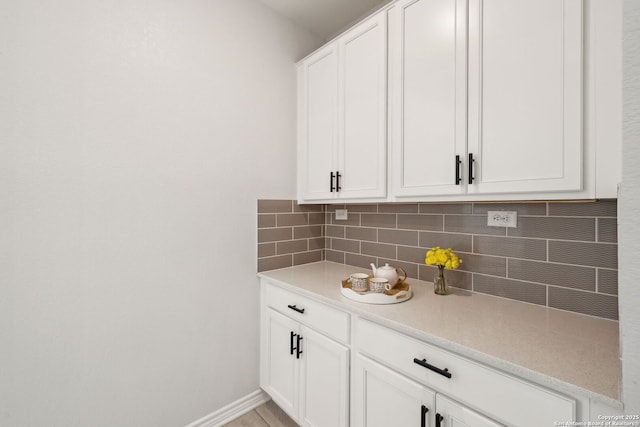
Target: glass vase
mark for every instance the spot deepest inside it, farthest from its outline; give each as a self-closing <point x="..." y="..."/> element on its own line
<point x="439" y="283"/>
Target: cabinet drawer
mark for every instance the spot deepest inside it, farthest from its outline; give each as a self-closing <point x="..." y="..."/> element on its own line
<point x="330" y="321"/>
<point x="499" y="395"/>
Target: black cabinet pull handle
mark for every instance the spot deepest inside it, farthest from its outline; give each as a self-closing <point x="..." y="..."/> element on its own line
<point x="458" y="177"/>
<point x="423" y="417"/>
<point x="439" y="419"/>
<point x="471" y="161"/>
<point x="445" y="372"/>
<point x="338" y="176"/>
<point x="298" y="351"/>
<point x="291" y="347"/>
<point x="294" y="308"/>
<point x="331" y="188"/>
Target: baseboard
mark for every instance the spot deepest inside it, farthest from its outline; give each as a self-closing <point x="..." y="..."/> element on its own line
<point x="233" y="410"/>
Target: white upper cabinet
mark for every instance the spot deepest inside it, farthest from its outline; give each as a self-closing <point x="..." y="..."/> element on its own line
<point x="487" y="97"/>
<point x="428" y="63"/>
<point x="317" y="123"/>
<point x="525" y="96"/>
<point x="487" y="100"/>
<point x="342" y="121"/>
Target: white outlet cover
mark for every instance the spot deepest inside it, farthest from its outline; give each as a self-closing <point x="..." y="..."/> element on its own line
<point x="342" y="214"/>
<point x="502" y="219"/>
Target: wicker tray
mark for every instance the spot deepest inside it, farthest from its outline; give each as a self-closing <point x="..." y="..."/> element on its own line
<point x="400" y="293"/>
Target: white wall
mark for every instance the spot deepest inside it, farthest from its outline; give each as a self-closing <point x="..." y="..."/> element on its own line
<point x="629" y="213"/>
<point x="135" y="138"/>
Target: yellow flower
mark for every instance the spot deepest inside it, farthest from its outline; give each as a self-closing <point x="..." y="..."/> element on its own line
<point x="443" y="258"/>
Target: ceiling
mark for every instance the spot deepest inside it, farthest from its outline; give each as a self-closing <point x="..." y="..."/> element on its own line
<point x="324" y="18"/>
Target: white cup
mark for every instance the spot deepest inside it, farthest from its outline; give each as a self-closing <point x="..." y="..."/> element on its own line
<point x="379" y="284"/>
<point x="359" y="282"/>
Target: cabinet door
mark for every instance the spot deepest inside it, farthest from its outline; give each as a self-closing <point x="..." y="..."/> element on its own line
<point x="525" y="95"/>
<point x="383" y="398"/>
<point x="429" y="99"/>
<point x="279" y="376"/>
<point x="362" y="101"/>
<point x="324" y="372"/>
<point x="456" y="415"/>
<point x="317" y="127"/>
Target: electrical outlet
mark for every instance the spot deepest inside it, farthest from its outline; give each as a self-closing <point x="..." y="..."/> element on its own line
<point x="342" y="214"/>
<point x="502" y="219"/>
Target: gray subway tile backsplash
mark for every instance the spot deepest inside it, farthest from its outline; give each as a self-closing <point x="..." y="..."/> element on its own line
<point x="266" y="250"/>
<point x="383" y="250"/>
<point x="420" y="222"/>
<point x="561" y="254"/>
<point x="445" y="208"/>
<point x="378" y="220"/>
<point x="607" y="230"/>
<point x="512" y="247"/>
<point x="334" y="256"/>
<point x="307" y="231"/>
<point x="411" y="254"/>
<point x="317" y="243"/>
<point x="266" y="220"/>
<point x="608" y="281"/>
<point x="345" y="245"/>
<point x="456" y="278"/>
<point x="274" y="234"/>
<point x="584" y="253"/>
<point x="291" y="219"/>
<point x="353" y="219"/>
<point x="583" y="229"/>
<point x="399" y="237"/>
<point x="275" y="206"/>
<point x="491" y="265"/>
<point x="291" y="246"/>
<point x="512" y="289"/>
<point x="462" y="242"/>
<point x="568" y="276"/>
<point x="601" y="208"/>
<point x="592" y="303"/>
<point x="289" y="234"/>
<point x="471" y="224"/>
<point x="334" y="230"/>
<point x="274" y="262"/>
<point x="522" y="208"/>
<point x="307" y="257"/>
<point x="362" y="233"/>
<point x="398" y="208"/>
<point x="363" y="261"/>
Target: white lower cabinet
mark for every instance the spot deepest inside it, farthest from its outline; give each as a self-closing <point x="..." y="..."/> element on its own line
<point x="383" y="397"/>
<point x="328" y="367"/>
<point x="454" y="414"/>
<point x="280" y="373"/>
<point x="305" y="372"/>
<point x="324" y="373"/>
<point x="467" y="393"/>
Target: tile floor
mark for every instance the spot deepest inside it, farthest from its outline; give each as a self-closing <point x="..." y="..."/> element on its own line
<point x="266" y="415"/>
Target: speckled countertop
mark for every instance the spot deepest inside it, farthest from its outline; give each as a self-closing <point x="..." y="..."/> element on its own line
<point x="568" y="352"/>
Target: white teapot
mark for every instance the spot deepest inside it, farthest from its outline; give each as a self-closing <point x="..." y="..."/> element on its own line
<point x="390" y="273"/>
